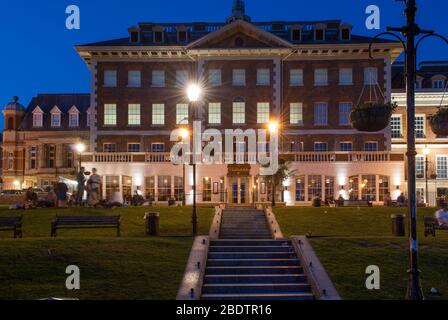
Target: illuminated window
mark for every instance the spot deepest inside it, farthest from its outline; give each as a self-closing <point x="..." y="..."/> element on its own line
<point x="214" y="113"/>
<point x="368" y="187"/>
<point x="110" y="114"/>
<point x="158" y="114"/>
<point x="395" y="124"/>
<point x="442" y="167"/>
<point x="420" y="127"/>
<point x="262" y="112"/>
<point x="296" y="113"/>
<point x="134" y="117"/>
<point x="239" y="112"/>
<point x="182" y="114"/>
<point x="314" y="187"/>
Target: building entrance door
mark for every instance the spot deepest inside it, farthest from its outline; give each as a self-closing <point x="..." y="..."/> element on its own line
<point x="235" y="193"/>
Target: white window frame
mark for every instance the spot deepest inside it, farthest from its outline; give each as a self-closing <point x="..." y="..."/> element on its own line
<point x="70" y="115"/>
<point x="110" y="78"/>
<point x="134" y="144"/>
<point x="215" y="116"/>
<point x="420" y="162"/>
<point x="346" y="76"/>
<point x="56" y="119"/>
<point x="239" y="77"/>
<point x="134" y="114"/>
<point x="182" y="113"/>
<point x="215" y="77"/>
<point x="424" y="126"/>
<point x="438" y="84"/>
<point x="373" y="143"/>
<point x="371" y="75"/>
<point x="346" y="112"/>
<point x="182" y="77"/>
<point x="160" y="75"/>
<point x="38" y="119"/>
<point x="158" y="114"/>
<point x="239" y="113"/>
<point x="110" y="116"/>
<point x="296" y="77"/>
<point x="296" y="116"/>
<point x="134" y="78"/>
<point x="263" y="77"/>
<point x="445" y="174"/>
<point x="321" y="77"/>
<point x="263" y="112"/>
<point x="109" y="144"/>
<point x="401" y="126"/>
<point x="318" y="112"/>
<point x="320" y="143"/>
<point x="347" y="143"/>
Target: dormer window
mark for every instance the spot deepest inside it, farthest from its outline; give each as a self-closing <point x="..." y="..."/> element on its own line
<point x="296" y="33"/>
<point x="346" y="32"/>
<point x="182" y="35"/>
<point x="438" y="82"/>
<point x="158" y="35"/>
<point x="38" y="118"/>
<point x="134" y="37"/>
<point x="73" y="117"/>
<point x="55" y="117"/>
<point x="319" y="32"/>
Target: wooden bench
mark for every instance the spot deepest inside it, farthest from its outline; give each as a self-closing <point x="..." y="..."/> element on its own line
<point x="357" y="203"/>
<point x="431" y="225"/>
<point x="12" y="224"/>
<point x="85" y="222"/>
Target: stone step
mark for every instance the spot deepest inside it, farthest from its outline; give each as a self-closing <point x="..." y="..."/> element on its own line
<point x="252" y="262"/>
<point x="251" y="255"/>
<point x="246" y="242"/>
<point x="264" y="288"/>
<point x="260" y="297"/>
<point x="250" y="249"/>
<point x="255" y="279"/>
<point x="238" y="236"/>
<point x="252" y="270"/>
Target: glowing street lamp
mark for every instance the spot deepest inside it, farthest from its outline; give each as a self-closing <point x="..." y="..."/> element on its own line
<point x="194" y="92"/>
<point x="80" y="148"/>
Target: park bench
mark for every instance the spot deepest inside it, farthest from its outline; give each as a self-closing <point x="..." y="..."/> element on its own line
<point x="12" y="224"/>
<point x="85" y="222"/>
<point x="431" y="225"/>
<point x="357" y="203"/>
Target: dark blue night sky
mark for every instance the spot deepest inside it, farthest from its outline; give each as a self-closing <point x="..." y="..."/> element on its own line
<point x="37" y="54"/>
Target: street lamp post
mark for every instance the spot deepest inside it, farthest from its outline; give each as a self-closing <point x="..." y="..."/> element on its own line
<point x="194" y="93"/>
<point x="426" y="152"/>
<point x="80" y="148"/>
<point x="273" y="129"/>
<point x="410" y="31"/>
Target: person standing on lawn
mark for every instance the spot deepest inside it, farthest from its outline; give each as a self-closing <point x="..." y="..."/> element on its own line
<point x="81" y="179"/>
<point x="94" y="188"/>
<point x="442" y="215"/>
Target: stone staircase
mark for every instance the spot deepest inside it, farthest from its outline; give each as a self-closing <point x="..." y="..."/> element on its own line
<point x="247" y="264"/>
<point x="244" y="223"/>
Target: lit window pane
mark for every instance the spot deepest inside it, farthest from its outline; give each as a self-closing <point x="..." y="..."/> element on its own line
<point x="296" y="113"/>
<point x="134" y="117"/>
<point x="158" y="114"/>
<point x="110" y="114"/>
<point x="239" y="112"/>
<point x="262" y="112"/>
<point x="182" y="114"/>
<point x="214" y="113"/>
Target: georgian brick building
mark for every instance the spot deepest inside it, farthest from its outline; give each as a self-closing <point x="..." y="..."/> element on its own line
<point x="305" y="74"/>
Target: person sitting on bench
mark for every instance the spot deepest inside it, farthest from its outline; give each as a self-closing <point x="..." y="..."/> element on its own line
<point x="442" y="216"/>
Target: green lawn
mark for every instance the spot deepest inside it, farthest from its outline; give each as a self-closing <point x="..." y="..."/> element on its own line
<point x="347" y="240"/>
<point x="130" y="267"/>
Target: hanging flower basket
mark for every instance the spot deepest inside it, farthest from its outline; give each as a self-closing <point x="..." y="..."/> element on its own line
<point x="439" y="122"/>
<point x="371" y="116"/>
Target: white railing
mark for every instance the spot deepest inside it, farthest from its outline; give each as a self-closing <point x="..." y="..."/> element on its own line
<point x="380" y="156"/>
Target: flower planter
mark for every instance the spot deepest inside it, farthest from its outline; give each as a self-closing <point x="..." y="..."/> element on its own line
<point x="371" y="117"/>
<point x="439" y="122"/>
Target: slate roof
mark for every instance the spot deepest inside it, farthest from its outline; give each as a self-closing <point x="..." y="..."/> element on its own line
<point x="426" y="70"/>
<point x="64" y="102"/>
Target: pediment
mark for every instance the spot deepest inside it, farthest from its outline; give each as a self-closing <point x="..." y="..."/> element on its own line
<point x="240" y="35"/>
